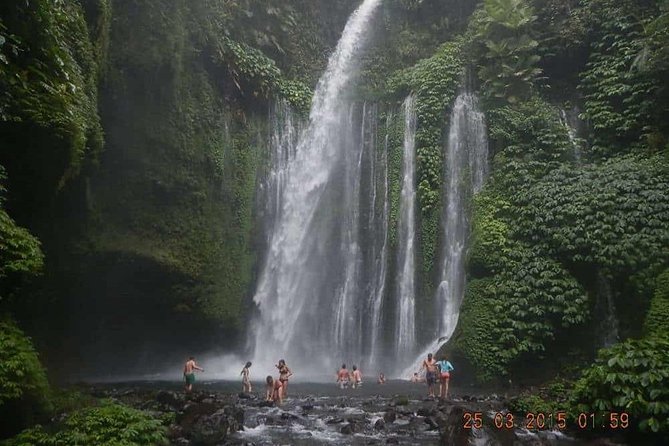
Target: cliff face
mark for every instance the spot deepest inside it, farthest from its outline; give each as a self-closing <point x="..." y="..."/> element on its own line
<point x="152" y="237"/>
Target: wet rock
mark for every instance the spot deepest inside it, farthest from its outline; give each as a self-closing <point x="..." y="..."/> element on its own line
<point x="212" y="429"/>
<point x="401" y="401"/>
<point x="288" y="416"/>
<point x="451" y="428"/>
<point x="432" y="423"/>
<point x="266" y="404"/>
<point x="191" y="412"/>
<point x="170" y="399"/>
<point x="181" y="442"/>
<point x="349" y="429"/>
<point x="380" y="424"/>
<point x="307" y="407"/>
<point x="426" y="411"/>
<point x="390" y="416"/>
<point x="175" y="431"/>
<point x="392" y="440"/>
<point x="245" y="396"/>
<point x="334" y="420"/>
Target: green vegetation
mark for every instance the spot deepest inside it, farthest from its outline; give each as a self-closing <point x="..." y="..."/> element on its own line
<point x="167" y="209"/>
<point x="509" y="65"/>
<point x="434" y="82"/>
<point x="621" y="101"/>
<point x="631" y="377"/>
<point x="48" y="79"/>
<point x="110" y="424"/>
<point x="24" y="389"/>
<point x="656" y="324"/>
<point x="20" y="252"/>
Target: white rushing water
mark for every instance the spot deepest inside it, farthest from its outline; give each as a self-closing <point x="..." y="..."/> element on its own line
<point x="466" y="169"/>
<point x="308" y="290"/>
<point x="379" y="178"/>
<point x="571" y="124"/>
<point x="406" y="279"/>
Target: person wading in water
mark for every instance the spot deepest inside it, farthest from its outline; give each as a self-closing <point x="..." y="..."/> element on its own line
<point x="273" y="390"/>
<point x="343" y="377"/>
<point x="357" y="377"/>
<point x="284" y="374"/>
<point x="246" y="379"/>
<point x="430" y="366"/>
<point x="189" y="373"/>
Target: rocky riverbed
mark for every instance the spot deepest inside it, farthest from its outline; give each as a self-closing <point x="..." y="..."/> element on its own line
<point x="322" y="414"/>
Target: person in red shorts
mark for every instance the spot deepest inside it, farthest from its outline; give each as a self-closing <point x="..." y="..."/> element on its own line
<point x="445" y="368"/>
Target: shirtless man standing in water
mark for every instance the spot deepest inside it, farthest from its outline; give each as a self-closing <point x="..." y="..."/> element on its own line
<point x="430" y="366"/>
<point x="189" y="373"/>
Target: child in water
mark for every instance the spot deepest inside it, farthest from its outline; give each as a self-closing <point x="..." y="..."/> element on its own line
<point x="246" y="380"/>
<point x="382" y="378"/>
<point x="357" y="377"/>
<point x="273" y="390"/>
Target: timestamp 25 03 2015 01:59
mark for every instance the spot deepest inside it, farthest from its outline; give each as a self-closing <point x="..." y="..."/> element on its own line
<point x="541" y="420"/>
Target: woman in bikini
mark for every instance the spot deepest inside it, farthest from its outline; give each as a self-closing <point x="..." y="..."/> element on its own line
<point x="273" y="390"/>
<point x="284" y="374"/>
<point x="445" y="368"/>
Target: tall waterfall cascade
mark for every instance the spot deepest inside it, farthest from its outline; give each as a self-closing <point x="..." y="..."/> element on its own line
<point x="310" y="293"/>
<point x="406" y="277"/>
<point x="466" y="167"/>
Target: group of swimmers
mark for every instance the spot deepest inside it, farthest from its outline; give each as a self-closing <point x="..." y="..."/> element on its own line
<point x="277" y="389"/>
<point x="344" y="377"/>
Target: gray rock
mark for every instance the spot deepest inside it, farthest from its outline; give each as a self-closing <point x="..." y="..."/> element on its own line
<point x="390" y="416"/>
<point x="380" y="424"/>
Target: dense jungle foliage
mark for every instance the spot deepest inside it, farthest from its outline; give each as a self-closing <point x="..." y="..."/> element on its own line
<point x="132" y="135"/>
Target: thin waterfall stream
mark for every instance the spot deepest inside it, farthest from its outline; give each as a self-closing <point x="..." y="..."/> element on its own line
<point x="406" y="279"/>
<point x="466" y="169"/>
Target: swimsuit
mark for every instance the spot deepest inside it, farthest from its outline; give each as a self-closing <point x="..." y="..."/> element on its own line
<point x="190" y="378"/>
<point x="445" y="367"/>
<point x="431" y="378"/>
<point x="277" y="390"/>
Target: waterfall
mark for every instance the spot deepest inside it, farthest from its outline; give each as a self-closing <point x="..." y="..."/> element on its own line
<point x="379" y="256"/>
<point x="406" y="289"/>
<point x="570" y="122"/>
<point x="282" y="144"/>
<point x="308" y="290"/>
<point x="466" y="167"/>
<point x="607" y="324"/>
<point x="346" y="327"/>
<point x="467" y="155"/>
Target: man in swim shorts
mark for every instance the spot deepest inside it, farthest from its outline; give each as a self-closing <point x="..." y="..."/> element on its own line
<point x="343" y="377"/>
<point x="189" y="373"/>
<point x="430" y="366"/>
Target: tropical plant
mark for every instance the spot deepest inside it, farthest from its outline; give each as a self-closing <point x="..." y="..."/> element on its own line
<point x="631" y="377"/>
<point x="508" y="65"/>
<point x="20" y="251"/>
<point x="110" y="424"/>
